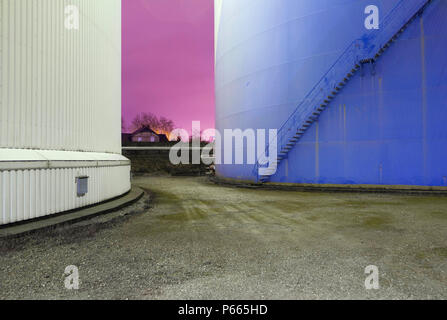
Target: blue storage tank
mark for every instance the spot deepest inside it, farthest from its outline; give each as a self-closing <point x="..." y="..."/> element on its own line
<point x="352" y="105"/>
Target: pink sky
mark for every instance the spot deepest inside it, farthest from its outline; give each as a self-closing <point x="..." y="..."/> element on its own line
<point x="168" y="60"/>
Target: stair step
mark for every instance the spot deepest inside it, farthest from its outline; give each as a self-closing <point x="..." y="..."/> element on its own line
<point x="268" y="175"/>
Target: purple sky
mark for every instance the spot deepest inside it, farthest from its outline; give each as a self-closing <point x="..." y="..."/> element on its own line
<point x="168" y="60"/>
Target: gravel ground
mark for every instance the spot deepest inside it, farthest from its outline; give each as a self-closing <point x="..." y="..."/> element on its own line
<point x="204" y="241"/>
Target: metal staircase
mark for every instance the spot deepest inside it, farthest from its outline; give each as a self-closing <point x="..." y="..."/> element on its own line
<point x="365" y="50"/>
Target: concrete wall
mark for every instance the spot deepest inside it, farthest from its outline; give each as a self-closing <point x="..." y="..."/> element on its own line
<point x="157" y="161"/>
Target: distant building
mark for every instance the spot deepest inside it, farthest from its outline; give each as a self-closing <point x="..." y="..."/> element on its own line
<point x="163" y="138"/>
<point x="144" y="134"/>
<point x="125" y="138"/>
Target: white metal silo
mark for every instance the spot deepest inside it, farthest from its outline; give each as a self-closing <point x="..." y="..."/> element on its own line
<point x="60" y="106"/>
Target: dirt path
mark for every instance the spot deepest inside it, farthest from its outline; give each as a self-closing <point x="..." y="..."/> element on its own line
<point x="203" y="241"/>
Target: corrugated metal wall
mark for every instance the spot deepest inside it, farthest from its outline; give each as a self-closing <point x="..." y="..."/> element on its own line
<point x="60" y="89"/>
<point x="32" y="194"/>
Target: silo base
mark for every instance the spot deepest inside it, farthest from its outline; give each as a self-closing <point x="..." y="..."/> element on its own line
<point x="371" y="188"/>
<point x="36" y="183"/>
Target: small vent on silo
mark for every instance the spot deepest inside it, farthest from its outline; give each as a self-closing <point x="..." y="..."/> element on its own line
<point x="82" y="185"/>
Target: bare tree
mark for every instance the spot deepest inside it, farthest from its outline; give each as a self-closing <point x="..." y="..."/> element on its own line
<point x="166" y="125"/>
<point x="145" y="119"/>
<point x="162" y="125"/>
